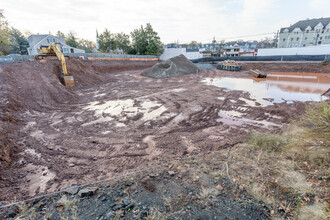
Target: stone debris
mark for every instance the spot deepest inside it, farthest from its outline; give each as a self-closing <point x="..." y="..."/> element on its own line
<point x="89" y="191"/>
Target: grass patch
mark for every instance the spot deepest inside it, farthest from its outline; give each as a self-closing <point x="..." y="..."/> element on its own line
<point x="316" y="121"/>
<point x="267" y="142"/>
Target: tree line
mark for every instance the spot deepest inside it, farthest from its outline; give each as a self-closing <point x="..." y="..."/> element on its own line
<point x="142" y="41"/>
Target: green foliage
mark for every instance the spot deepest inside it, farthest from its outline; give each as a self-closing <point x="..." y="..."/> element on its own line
<point x="19" y="42"/>
<point x="71" y="39"/>
<point x="113" y="42"/>
<point x="268" y="142"/>
<point x="60" y="34"/>
<point x="316" y="121"/>
<point x="5" y="42"/>
<point x="146" y="41"/>
<point x="86" y="45"/>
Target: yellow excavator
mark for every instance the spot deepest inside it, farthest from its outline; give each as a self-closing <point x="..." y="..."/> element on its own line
<point x="54" y="50"/>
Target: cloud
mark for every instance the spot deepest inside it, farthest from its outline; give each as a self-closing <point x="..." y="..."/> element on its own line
<point x="320" y="5"/>
<point x="183" y="20"/>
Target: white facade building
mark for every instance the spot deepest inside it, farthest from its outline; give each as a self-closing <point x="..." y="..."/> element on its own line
<point x="37" y="40"/>
<point x="305" y="33"/>
<point x="310" y="50"/>
<point x="172" y="52"/>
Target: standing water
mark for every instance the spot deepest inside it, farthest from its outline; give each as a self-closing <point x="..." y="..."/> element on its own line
<point x="279" y="87"/>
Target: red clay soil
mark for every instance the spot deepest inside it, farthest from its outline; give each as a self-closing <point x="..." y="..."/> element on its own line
<point x="113" y="121"/>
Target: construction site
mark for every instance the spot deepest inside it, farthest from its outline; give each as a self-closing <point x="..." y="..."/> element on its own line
<point x="148" y="139"/>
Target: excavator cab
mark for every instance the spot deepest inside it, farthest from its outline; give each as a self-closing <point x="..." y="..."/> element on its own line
<point x="54" y="50"/>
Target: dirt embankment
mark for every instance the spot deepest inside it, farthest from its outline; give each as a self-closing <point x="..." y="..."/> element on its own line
<point x="288" y="67"/>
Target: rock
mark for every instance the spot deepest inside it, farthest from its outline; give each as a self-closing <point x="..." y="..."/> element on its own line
<point x="43" y="61"/>
<point x="129" y="207"/>
<point x="219" y="187"/>
<point x="117" y="207"/>
<point x="104" y="198"/>
<point x="153" y="175"/>
<point x="88" y="191"/>
<point x="60" y="149"/>
<point x="73" y="190"/>
<point x="142" y="214"/>
<point x="110" y="215"/>
<point x="61" y="201"/>
<point x="171" y="172"/>
<point x="126" y="202"/>
<point x="113" y="205"/>
<point x="11" y="213"/>
<point x="44" y="173"/>
<point x="71" y="165"/>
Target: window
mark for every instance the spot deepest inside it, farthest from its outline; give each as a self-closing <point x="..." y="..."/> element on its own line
<point x="320" y="38"/>
<point x="304" y="45"/>
<point x="292" y="39"/>
<point x="51" y="40"/>
<point x="65" y="50"/>
<point x="319" y="42"/>
<point x="297" y="38"/>
<point x="283" y="39"/>
<point x="317" y="30"/>
<point x="305" y="38"/>
<point x="307" y="31"/>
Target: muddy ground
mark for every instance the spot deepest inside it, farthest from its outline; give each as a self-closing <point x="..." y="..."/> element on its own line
<point x="115" y="120"/>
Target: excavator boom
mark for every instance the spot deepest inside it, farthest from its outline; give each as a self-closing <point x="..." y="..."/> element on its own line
<point x="54" y="50"/>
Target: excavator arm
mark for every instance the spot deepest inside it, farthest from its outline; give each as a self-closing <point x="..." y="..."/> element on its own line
<point x="54" y="49"/>
<point x="51" y="50"/>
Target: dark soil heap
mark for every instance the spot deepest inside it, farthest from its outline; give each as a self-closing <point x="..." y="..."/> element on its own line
<point x="176" y="66"/>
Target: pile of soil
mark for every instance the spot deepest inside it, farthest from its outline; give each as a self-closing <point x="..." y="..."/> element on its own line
<point x="176" y="66"/>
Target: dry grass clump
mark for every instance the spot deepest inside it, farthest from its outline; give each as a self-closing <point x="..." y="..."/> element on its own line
<point x="313" y="212"/>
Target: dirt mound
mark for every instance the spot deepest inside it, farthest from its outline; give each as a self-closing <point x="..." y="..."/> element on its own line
<point x="176" y="66"/>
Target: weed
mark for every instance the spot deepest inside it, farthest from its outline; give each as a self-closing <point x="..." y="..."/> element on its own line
<point x="23" y="208"/>
<point x="316" y="121"/>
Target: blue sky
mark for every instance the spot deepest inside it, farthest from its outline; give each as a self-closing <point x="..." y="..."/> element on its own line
<point x="174" y="20"/>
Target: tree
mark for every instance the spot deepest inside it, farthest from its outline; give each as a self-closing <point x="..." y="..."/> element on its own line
<point x="193" y="44"/>
<point x="5" y="42"/>
<point x="71" y="39"/>
<point x="106" y="41"/>
<point x="19" y="43"/>
<point x="122" y="42"/>
<point x="146" y="41"/>
<point x="86" y="45"/>
<point x="60" y="34"/>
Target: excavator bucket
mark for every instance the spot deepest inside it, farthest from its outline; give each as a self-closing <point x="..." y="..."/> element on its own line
<point x="68" y="81"/>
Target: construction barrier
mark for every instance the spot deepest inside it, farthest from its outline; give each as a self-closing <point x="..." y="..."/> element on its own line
<point x="133" y="59"/>
<point x="266" y="58"/>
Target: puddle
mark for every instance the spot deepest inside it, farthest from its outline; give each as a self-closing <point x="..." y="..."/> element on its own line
<point x="105" y="112"/>
<point x="279" y="87"/>
<point x="233" y="118"/>
<point x="178" y="90"/>
<point x="38" y="177"/>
